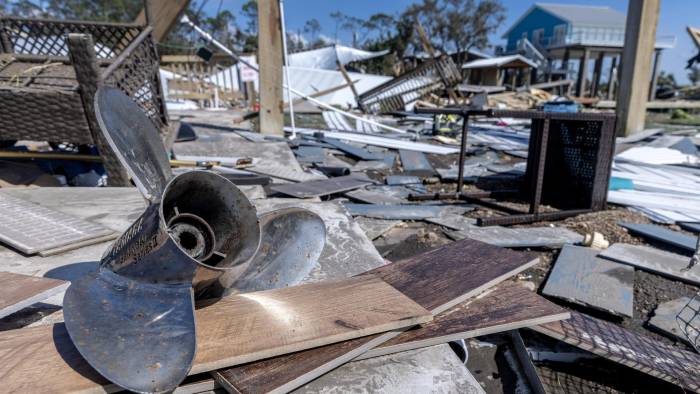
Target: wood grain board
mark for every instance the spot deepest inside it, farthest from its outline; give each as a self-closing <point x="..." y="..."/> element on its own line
<point x="437" y="280"/>
<point x="235" y="330"/>
<point x="620" y="345"/>
<point x="506" y="307"/>
<point x="18" y="291"/>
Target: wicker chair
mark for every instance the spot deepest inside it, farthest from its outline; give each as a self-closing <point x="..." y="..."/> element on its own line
<point x="50" y="70"/>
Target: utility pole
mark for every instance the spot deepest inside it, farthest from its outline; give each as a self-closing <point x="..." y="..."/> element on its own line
<point x="635" y="73"/>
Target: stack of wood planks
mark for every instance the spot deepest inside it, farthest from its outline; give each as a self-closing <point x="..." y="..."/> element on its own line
<point x="277" y="340"/>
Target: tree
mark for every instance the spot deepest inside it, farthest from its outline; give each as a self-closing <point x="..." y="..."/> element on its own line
<point x="457" y="25"/>
<point x="250" y="11"/>
<point x="312" y="27"/>
<point x="667" y="80"/>
<point x="694" y="74"/>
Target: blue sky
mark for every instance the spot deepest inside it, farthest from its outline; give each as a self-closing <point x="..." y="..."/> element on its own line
<point x="675" y="16"/>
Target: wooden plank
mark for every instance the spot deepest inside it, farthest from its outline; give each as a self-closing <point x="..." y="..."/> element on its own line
<point x="625" y="347"/>
<point x="580" y="277"/>
<point x="270" y="63"/>
<point x="322" y="187"/>
<point x="654" y="260"/>
<point x="164" y="14"/>
<point x="506" y="307"/>
<point x="633" y="91"/>
<point x="234" y="330"/>
<point x="437" y="280"/>
<point x="19" y="291"/>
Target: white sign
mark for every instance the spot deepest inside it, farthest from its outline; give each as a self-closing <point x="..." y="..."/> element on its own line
<point x="248" y="74"/>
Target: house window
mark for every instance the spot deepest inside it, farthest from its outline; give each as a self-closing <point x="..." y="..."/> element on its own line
<point x="537" y="36"/>
<point x="559" y="34"/>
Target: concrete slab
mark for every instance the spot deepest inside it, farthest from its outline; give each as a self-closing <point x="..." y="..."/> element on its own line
<point x="375" y="228"/>
<point x="580" y="277"/>
<point x="347" y="252"/>
<point x="663" y="234"/>
<point x="653" y="260"/>
<point x="434" y="369"/>
<point x="509" y="237"/>
<point x="398" y="212"/>
<point x="415" y="163"/>
<point x="664" y="318"/>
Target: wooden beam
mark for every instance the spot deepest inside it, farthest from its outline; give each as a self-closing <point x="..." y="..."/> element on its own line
<point x="270" y="61"/>
<point x="582" y="73"/>
<point x="640" y="37"/>
<point x="612" y="78"/>
<point x="164" y="14"/>
<point x="597" y="72"/>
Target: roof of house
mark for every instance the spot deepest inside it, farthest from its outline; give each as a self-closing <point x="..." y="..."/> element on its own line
<point x="579" y="15"/>
<point x="511" y="61"/>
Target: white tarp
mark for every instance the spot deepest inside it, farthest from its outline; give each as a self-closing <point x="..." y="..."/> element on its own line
<point x="325" y="58"/>
<point x="310" y="81"/>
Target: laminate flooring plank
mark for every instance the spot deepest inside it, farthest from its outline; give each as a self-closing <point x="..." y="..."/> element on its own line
<point x="19" y="291"/>
<point x="506" y="307"/>
<point x="615" y="343"/>
<point x="437" y="280"/>
<point x="237" y="329"/>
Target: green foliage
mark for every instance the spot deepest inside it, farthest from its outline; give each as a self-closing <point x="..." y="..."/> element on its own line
<point x="694" y="74"/>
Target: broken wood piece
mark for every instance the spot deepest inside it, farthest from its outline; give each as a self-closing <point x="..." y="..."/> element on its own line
<point x="322" y="187"/>
<point x="506" y="307"/>
<point x="20" y="291"/>
<point x="625" y="347"/>
<point x="437" y="280"/>
<point x="235" y="330"/>
<point x="654" y="260"/>
<point x="580" y="277"/>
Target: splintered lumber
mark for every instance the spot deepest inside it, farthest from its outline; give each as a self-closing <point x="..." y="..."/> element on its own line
<point x="234" y="330"/>
<point x="622" y="346"/>
<point x="20" y="291"/>
<point x="437" y="280"/>
<point x="506" y="307"/>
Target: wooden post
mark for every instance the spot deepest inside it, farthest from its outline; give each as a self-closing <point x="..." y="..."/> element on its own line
<point x="565" y="63"/>
<point x="344" y="72"/>
<point x="655" y="75"/>
<point x="597" y="71"/>
<point x="163" y="15"/>
<point x="270" y="61"/>
<point x="582" y="71"/>
<point x="612" y="78"/>
<point x="81" y="50"/>
<point x="640" y="37"/>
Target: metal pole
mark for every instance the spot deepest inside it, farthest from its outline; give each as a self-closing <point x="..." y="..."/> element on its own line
<point x="286" y="70"/>
<point x="462" y="152"/>
<point x="321" y="104"/>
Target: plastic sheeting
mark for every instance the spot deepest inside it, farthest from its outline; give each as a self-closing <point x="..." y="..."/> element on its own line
<point x="325" y="58"/>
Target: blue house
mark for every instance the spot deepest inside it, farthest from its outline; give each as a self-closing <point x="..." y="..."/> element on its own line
<point x="552" y="34"/>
